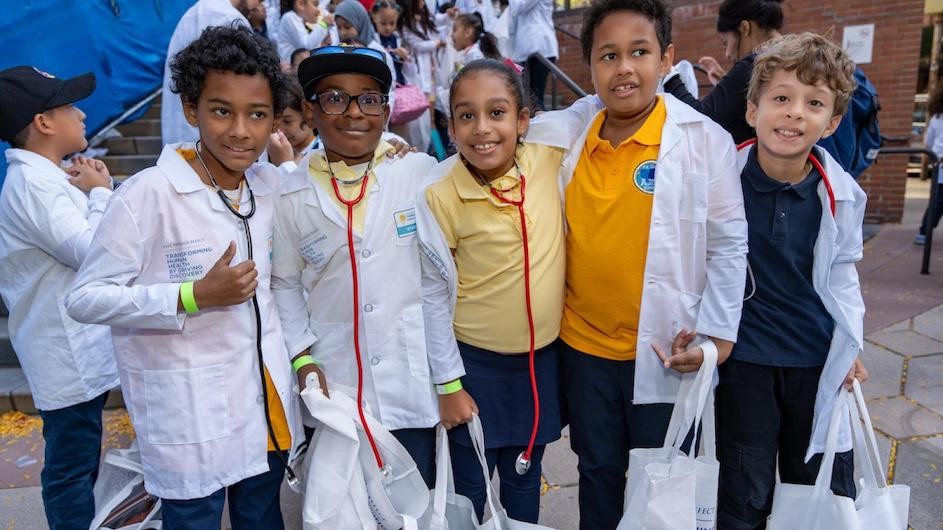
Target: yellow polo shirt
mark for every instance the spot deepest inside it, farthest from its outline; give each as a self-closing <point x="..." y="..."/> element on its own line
<point x="608" y="213"/>
<point x="485" y="236"/>
<point x="318" y="171"/>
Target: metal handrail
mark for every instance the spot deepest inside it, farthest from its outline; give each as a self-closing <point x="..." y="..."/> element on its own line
<point x="565" y="32"/>
<point x="931" y="209"/>
<point x="99" y="136"/>
<point x="556" y="73"/>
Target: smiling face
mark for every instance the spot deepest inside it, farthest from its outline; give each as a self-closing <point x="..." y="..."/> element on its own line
<point x="627" y="63"/>
<point x="297" y="132"/>
<point x="486" y="123"/>
<point x="235" y="115"/>
<point x="352" y="136"/>
<point x="790" y="116"/>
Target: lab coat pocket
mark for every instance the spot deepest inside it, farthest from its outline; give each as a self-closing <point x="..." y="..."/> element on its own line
<point x="413" y="332"/>
<point x="694" y="197"/>
<point x="186" y="406"/>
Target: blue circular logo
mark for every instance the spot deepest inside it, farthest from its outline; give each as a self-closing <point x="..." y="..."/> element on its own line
<point x="645" y="177"/>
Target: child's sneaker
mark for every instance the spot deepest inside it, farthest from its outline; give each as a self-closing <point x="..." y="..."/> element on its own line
<point x="920" y="240"/>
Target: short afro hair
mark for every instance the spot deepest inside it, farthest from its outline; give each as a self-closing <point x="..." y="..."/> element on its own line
<point x="234" y="49"/>
<point x="598" y="10"/>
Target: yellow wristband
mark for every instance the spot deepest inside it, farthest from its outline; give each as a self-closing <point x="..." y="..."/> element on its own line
<point x="302" y="361"/>
<point x="449" y="388"/>
<point x="186" y="298"/>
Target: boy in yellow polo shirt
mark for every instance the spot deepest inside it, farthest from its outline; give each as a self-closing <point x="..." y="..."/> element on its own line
<point x="656" y="250"/>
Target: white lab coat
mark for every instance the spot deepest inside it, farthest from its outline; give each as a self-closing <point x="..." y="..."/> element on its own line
<point x="294" y="34"/>
<point x="46" y="226"/>
<point x="933" y="139"/>
<point x="532" y="29"/>
<point x="837" y="248"/>
<point x="191" y="382"/>
<point x="484" y="7"/>
<point x="696" y="266"/>
<point x="205" y="13"/>
<point x="406" y="336"/>
<point x="273" y="18"/>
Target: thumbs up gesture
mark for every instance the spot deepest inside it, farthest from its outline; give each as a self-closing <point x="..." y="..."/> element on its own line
<point x="226" y="285"/>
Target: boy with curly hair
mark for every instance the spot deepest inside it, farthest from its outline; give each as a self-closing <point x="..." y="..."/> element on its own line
<point x="180" y="269"/>
<point x="801" y="326"/>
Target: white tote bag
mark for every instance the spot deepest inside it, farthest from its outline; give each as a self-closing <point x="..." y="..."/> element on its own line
<point x="880" y="506"/>
<point x="344" y="488"/>
<point x="455" y="512"/>
<point x="121" y="501"/>
<point x="667" y="489"/>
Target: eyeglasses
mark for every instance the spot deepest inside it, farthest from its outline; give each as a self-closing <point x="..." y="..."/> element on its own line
<point x="335" y="102"/>
<point x="330" y="50"/>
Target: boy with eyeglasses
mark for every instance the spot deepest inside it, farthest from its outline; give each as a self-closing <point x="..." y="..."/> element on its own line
<point x="347" y="261"/>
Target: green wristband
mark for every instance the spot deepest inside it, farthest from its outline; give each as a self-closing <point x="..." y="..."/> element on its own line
<point x="449" y="388"/>
<point x="302" y="361"/>
<point x="323" y="24"/>
<point x="186" y="298"/>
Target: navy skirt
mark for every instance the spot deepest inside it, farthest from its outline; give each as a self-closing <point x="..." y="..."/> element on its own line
<point x="500" y="385"/>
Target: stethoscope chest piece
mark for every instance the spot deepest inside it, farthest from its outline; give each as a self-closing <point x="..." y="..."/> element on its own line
<point x="522" y="465"/>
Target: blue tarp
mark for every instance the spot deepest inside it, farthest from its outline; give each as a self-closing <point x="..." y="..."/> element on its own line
<point x="123" y="41"/>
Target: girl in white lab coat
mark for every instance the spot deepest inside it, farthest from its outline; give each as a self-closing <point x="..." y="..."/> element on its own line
<point x="301" y="26"/>
<point x="180" y="268"/>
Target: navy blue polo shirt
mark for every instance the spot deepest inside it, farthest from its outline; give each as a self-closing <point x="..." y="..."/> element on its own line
<point x="784" y="323"/>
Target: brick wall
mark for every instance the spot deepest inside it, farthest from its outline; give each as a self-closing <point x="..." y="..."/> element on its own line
<point x="893" y="69"/>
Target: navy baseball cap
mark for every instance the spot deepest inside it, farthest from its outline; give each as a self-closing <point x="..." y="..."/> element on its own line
<point x="26" y="91"/>
<point x="330" y="60"/>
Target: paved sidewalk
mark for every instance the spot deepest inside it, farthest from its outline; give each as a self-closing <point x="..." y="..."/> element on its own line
<point x="904" y="352"/>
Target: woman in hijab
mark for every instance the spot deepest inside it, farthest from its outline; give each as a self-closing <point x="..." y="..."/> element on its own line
<point x="354" y="26"/>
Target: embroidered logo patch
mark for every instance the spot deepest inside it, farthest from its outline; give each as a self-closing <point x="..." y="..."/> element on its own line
<point x="405" y="222"/>
<point x="644" y="177"/>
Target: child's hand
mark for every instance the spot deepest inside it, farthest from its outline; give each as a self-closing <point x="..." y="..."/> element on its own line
<point x="682" y="359"/>
<point x="452" y="12"/>
<point x="279" y="148"/>
<point x="328" y="19"/>
<point x="456" y="408"/>
<point x="715" y="72"/>
<point x="402" y="53"/>
<point x="87" y="174"/>
<point x="224" y="285"/>
<point x="857" y="371"/>
<point x="402" y="149"/>
<point x="304" y="371"/>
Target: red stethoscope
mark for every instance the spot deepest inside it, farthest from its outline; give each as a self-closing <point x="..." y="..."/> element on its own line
<point x="350" y="204"/>
<point x="522" y="465"/>
<point x="828" y="189"/>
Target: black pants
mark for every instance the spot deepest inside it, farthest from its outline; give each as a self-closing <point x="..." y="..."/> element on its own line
<point x="937" y="213"/>
<point x="764" y="417"/>
<point x="537" y="75"/>
<point x="604" y="426"/>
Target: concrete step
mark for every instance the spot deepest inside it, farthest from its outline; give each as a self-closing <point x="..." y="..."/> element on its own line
<point x="7" y="355"/>
<point x="138" y="145"/>
<point x="128" y="164"/>
<point x="142" y="127"/>
<point x="153" y="111"/>
<point x="15" y="393"/>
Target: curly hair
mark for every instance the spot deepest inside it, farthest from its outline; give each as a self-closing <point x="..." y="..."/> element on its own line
<point x="814" y="58"/>
<point x="654" y="10"/>
<point x="234" y="49"/>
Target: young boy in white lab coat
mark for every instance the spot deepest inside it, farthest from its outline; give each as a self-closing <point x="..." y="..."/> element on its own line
<point x="349" y="208"/>
<point x="801" y="328"/>
<point x="47" y="218"/>
<point x="180" y="269"/>
<point x="656" y="249"/>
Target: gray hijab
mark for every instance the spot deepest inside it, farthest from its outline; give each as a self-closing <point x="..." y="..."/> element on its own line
<point x="352" y="11"/>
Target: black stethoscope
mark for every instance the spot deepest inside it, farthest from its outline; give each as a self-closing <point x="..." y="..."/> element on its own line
<point x="350" y="204"/>
<point x="522" y="464"/>
<point x="828" y="189"/>
<point x="292" y="478"/>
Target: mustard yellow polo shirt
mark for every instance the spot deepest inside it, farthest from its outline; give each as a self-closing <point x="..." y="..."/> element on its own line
<point x="485" y="236"/>
<point x="318" y="171"/>
<point x="608" y="212"/>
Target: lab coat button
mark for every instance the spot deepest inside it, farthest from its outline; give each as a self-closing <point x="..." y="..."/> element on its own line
<point x="375" y="361"/>
<point x="368" y="308"/>
<point x="259" y="399"/>
<point x="365" y="252"/>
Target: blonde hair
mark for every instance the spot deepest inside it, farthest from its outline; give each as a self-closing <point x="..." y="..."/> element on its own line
<point x="814" y="58"/>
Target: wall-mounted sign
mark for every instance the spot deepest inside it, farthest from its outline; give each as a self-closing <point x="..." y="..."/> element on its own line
<point x="858" y="41"/>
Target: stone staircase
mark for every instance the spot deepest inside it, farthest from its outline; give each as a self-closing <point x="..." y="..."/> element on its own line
<point x="137" y="148"/>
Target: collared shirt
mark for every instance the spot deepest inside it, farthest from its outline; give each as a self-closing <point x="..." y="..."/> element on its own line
<point x="784" y="323"/>
<point x="485" y="234"/>
<point x="608" y="213"/>
<point x="46" y="227"/>
<point x="349" y="178"/>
